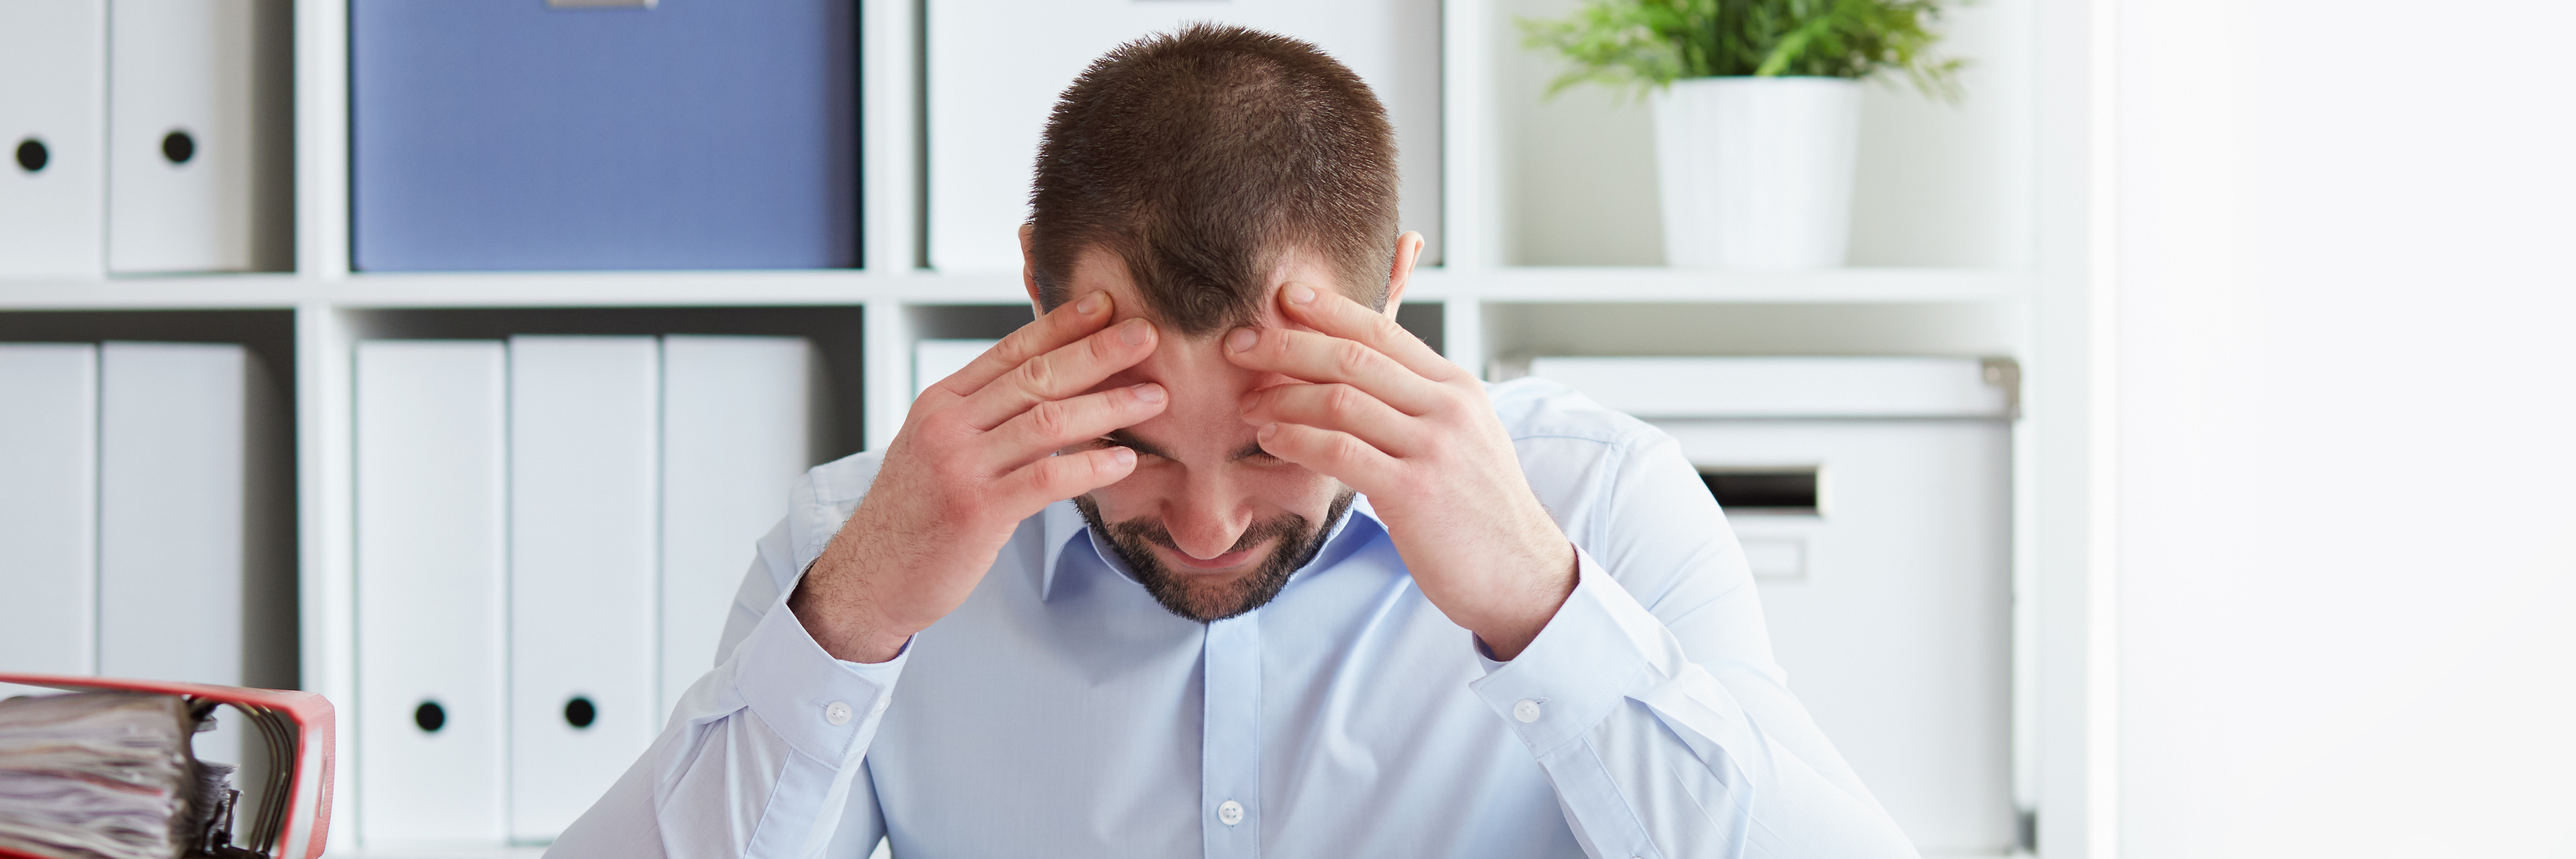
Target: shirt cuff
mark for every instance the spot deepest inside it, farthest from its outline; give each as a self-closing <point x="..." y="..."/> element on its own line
<point x="1582" y="665"/>
<point x="823" y="707"/>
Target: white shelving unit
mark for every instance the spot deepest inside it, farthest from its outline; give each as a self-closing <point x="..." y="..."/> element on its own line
<point x="1985" y="246"/>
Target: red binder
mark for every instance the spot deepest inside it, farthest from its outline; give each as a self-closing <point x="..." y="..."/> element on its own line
<point x="298" y="728"/>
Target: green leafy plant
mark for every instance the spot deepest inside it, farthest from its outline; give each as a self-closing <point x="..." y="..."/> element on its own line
<point x="1638" y="45"/>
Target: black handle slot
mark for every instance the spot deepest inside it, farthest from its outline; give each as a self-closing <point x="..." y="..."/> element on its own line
<point x="579" y="712"/>
<point x="1763" y="490"/>
<point x="429" y="716"/>
<point x="32" y="155"/>
<point x="178" y="146"/>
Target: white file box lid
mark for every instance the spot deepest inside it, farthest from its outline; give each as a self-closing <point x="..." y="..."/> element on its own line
<point x="1785" y="387"/>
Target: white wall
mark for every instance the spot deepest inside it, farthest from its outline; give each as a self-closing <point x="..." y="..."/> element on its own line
<point x="2347" y="428"/>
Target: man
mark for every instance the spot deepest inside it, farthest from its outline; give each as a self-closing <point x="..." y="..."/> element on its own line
<point x="1214" y="559"/>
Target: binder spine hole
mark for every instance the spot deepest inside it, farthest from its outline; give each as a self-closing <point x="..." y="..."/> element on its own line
<point x="429" y="716"/>
<point x="32" y="155"/>
<point x="579" y="713"/>
<point x="178" y="146"/>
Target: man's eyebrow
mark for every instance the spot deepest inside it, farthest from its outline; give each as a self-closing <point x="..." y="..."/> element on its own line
<point x="1129" y="440"/>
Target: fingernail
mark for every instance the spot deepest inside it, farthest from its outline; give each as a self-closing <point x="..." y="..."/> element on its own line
<point x="1090" y="304"/>
<point x="1266" y="431"/>
<point x="1240" y="339"/>
<point x="1299" y="293"/>
<point x="1124" y="456"/>
<point x="1147" y="392"/>
<point x="1134" y="332"/>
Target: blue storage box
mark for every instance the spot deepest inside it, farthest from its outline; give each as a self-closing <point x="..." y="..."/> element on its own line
<point x="693" y="134"/>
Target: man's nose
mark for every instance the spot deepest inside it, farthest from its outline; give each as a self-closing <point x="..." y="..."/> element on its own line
<point x="1206" y="523"/>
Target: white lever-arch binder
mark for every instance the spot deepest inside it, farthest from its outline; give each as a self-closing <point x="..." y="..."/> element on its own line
<point x="53" y="126"/>
<point x="49" y="508"/>
<point x="738" y="426"/>
<point x="432" y="555"/>
<point x="195" y="134"/>
<point x="585" y="459"/>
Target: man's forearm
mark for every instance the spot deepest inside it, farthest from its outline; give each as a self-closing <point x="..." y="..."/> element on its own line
<point x="831" y="602"/>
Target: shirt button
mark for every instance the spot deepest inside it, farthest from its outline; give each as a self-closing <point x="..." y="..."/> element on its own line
<point x="1526" y="710"/>
<point x="836" y="713"/>
<point x="1230" y="813"/>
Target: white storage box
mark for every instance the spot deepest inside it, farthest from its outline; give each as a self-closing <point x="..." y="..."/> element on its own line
<point x="1873" y="498"/>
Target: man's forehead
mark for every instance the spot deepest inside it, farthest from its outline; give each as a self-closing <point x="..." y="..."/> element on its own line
<point x="1098" y="269"/>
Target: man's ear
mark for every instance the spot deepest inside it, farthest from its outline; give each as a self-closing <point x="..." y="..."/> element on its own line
<point x="1408" y="249"/>
<point x="1029" y="268"/>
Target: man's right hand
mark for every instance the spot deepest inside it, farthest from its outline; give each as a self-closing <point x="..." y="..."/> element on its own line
<point x="975" y="456"/>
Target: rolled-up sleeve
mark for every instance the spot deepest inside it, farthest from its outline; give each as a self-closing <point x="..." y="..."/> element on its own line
<point x="761" y="756"/>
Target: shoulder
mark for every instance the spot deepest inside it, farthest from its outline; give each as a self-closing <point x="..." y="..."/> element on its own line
<point x="1572" y="450"/>
<point x="1535" y="408"/>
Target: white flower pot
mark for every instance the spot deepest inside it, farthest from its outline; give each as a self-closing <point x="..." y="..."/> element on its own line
<point x="1757" y="172"/>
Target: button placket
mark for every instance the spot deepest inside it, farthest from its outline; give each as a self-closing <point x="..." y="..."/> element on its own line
<point x="1230" y="763"/>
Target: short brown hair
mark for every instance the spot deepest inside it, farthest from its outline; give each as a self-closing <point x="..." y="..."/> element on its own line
<point x="1199" y="157"/>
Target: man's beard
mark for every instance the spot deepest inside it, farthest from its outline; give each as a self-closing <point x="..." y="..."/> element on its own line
<point x="1299" y="541"/>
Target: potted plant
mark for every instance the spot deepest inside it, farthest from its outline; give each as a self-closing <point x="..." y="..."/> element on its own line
<point x="1757" y="110"/>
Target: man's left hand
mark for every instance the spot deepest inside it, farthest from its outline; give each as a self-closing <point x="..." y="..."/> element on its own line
<point x="1381" y="412"/>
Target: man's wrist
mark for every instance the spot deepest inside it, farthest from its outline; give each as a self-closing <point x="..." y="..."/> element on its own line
<point x="830" y="603"/>
<point x="1520" y="621"/>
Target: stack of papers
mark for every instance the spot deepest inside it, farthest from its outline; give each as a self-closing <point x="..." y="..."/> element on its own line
<point x="103" y="774"/>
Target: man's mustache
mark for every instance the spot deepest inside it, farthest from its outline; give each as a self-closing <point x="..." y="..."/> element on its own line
<point x="1152" y="531"/>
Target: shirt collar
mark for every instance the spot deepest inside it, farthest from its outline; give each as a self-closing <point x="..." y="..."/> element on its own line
<point x="1062" y="527"/>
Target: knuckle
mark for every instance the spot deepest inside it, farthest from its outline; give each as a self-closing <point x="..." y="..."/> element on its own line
<point x="1050" y="419"/>
<point x="1348" y="448"/>
<point x="1342" y="400"/>
<point x="1038" y="375"/>
<point x="1445" y="405"/>
<point x="1013" y="349"/>
<point x="1046" y="474"/>
<point x="1351" y="357"/>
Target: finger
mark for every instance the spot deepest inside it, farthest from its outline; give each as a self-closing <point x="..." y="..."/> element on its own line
<point x="1339" y="407"/>
<point x="1333" y="453"/>
<point x="1311" y="357"/>
<point x="1056" y="478"/>
<point x="1331" y="312"/>
<point x="1067" y="323"/>
<point x="1050" y="426"/>
<point x="1069" y="370"/>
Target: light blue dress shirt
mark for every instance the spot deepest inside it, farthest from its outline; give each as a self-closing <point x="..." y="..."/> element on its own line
<point x="1062" y="712"/>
